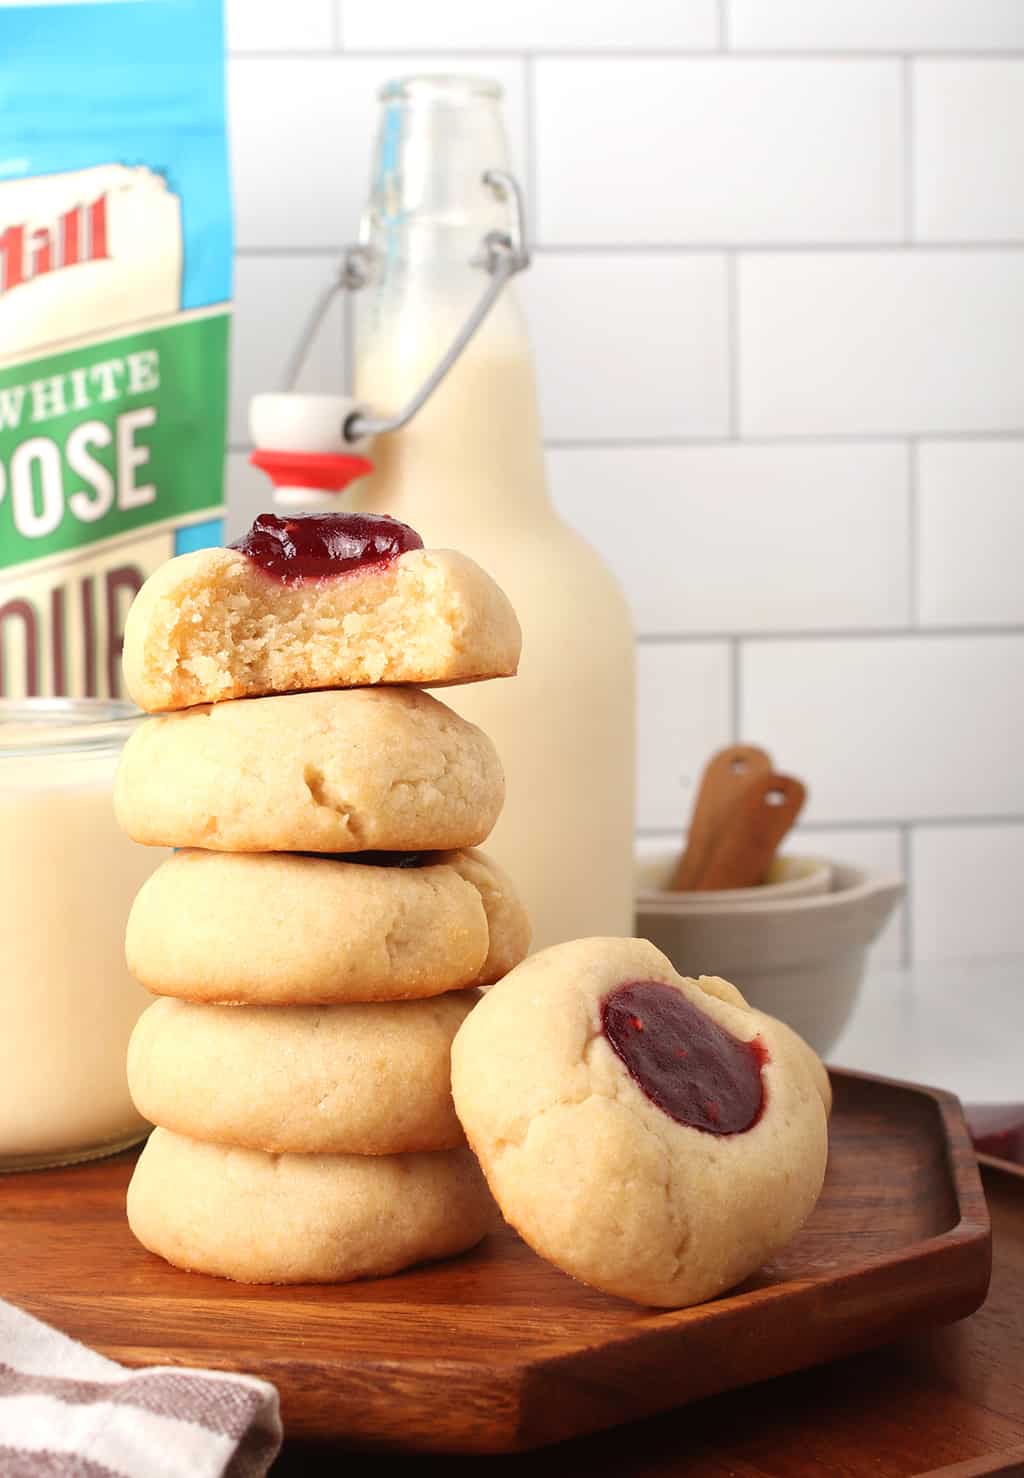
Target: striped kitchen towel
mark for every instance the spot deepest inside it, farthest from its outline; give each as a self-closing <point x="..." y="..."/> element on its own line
<point x="66" y="1412"/>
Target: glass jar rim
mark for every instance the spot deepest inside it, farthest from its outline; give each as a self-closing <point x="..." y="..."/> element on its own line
<point x="440" y="87"/>
<point x="32" y="726"/>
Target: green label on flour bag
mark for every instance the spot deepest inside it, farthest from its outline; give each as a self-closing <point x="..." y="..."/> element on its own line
<point x="115" y="252"/>
<point x="92" y="444"/>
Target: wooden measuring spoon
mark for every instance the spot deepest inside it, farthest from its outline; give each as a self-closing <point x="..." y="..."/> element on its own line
<point x="724" y="777"/>
<point x="742" y="849"/>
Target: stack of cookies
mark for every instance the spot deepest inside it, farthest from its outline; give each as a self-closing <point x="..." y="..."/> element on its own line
<point x="318" y="937"/>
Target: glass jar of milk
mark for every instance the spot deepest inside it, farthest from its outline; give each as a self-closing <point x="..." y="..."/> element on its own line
<point x="67" y="878"/>
<point x="468" y="473"/>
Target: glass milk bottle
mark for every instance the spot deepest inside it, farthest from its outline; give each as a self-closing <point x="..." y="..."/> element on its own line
<point x="468" y="473"/>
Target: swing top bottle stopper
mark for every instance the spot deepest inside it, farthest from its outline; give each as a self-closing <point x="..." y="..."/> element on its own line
<point x="313" y="446"/>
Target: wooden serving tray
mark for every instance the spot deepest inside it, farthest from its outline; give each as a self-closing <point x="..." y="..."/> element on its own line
<point x="940" y="1402"/>
<point x="496" y="1351"/>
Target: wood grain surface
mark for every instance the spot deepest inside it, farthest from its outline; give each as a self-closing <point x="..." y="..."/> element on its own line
<point x="945" y="1403"/>
<point x="496" y="1350"/>
<point x="741" y="853"/>
<point x="721" y="784"/>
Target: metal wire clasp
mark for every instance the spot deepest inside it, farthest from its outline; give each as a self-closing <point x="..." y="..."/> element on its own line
<point x="502" y="254"/>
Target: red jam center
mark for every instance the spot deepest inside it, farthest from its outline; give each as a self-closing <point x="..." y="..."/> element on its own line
<point x="319" y="546"/>
<point x="692" y="1068"/>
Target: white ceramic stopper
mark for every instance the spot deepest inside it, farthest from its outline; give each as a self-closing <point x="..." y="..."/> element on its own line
<point x="306" y="500"/>
<point x="290" y="422"/>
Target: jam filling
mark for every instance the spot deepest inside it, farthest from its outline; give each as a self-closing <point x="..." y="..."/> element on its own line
<point x="689" y="1066"/>
<point x="319" y="546"/>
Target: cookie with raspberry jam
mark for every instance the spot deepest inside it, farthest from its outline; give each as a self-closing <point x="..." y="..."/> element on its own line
<point x="336" y="600"/>
<point x="651" y="1135"/>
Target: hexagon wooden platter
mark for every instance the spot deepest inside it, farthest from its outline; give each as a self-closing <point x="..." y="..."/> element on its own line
<point x="496" y="1351"/>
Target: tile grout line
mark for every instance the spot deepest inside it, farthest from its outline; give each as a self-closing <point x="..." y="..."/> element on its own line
<point x="732" y="343"/>
<point x="337" y="30"/>
<point x="1010" y="821"/>
<point x="789" y="246"/>
<point x="907" y="927"/>
<point x="783" y="247"/>
<point x="907" y="122"/>
<point x="530" y="109"/>
<point x="794" y="439"/>
<point x="348" y="341"/>
<point x="736" y="689"/>
<point x="913" y="536"/>
<point x="723" y="25"/>
<point x="797" y="635"/>
<point x="718" y="442"/>
<point x="626" y="55"/>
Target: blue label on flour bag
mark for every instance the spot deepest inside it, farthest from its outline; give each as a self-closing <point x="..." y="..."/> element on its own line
<point x="115" y="286"/>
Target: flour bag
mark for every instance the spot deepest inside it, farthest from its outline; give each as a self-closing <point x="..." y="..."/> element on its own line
<point x="115" y="281"/>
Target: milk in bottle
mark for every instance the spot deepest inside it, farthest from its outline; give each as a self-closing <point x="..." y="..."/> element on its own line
<point x="468" y="473"/>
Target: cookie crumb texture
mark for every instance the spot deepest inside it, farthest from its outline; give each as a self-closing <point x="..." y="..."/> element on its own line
<point x="370" y="769"/>
<point x="594" y="1175"/>
<point x="211" y="625"/>
<point x="274" y="929"/>
<point x="260" y="1218"/>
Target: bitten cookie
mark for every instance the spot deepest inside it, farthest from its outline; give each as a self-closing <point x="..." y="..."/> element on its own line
<point x="347" y="771"/>
<point x="357" y="1080"/>
<point x="225" y="623"/>
<point x="303" y="1218"/>
<point x="655" y="1138"/>
<point x="274" y="928"/>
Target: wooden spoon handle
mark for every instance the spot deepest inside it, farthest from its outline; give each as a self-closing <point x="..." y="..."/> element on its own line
<point x="725" y="775"/>
<point x="743" y="847"/>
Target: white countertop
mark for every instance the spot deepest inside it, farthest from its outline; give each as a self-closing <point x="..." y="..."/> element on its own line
<point x="956" y="1024"/>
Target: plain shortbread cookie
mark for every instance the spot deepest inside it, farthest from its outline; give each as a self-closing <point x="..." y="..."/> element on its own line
<point x="357" y="1080"/>
<point x="212" y="625"/>
<point x="263" y="1218"/>
<point x="597" y="1178"/>
<point x="344" y="771"/>
<point x="273" y="928"/>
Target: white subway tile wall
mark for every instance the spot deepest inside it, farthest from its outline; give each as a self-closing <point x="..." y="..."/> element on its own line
<point x="710" y="150"/>
<point x="301" y="25"/>
<point x="782" y="246"/>
<point x="302" y="132"/>
<point x="536" y="25"/>
<point x="676" y="733"/>
<point x="594" y="319"/>
<point x="970" y="536"/>
<point x="982" y="867"/>
<point x="273" y="296"/>
<point x="875" y="25"/>
<point x="762" y="537"/>
<point x="862" y="343"/>
<point x="968" y="128"/>
<point x="918" y="727"/>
